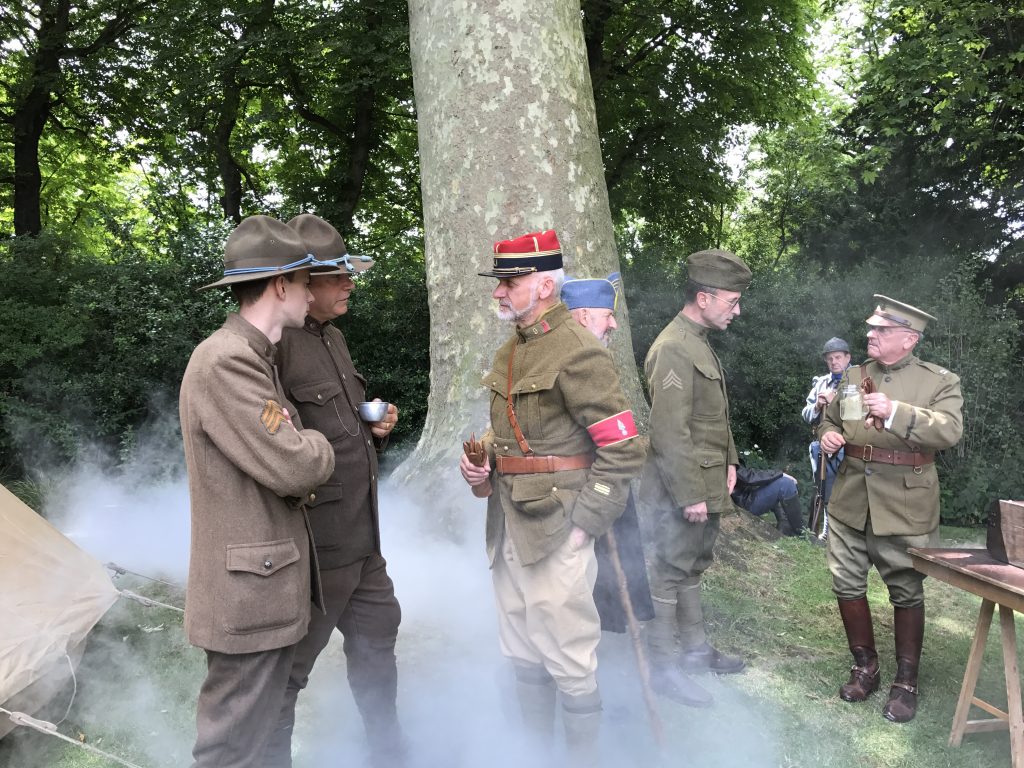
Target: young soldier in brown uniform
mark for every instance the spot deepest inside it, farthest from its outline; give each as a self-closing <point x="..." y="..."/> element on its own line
<point x="886" y="495"/>
<point x="690" y="472"/>
<point x="359" y="597"/>
<point x="251" y="467"/>
<point x="562" y="448"/>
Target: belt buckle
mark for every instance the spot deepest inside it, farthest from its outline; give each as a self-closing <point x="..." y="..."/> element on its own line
<point x="867" y="453"/>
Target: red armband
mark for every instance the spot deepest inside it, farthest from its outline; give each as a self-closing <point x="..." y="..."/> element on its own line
<point x="613" y="430"/>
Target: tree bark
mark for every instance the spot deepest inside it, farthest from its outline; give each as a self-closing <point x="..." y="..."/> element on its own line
<point x="508" y="145"/>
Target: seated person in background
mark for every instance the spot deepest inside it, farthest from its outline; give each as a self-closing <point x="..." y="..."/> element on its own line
<point x="758" y="490"/>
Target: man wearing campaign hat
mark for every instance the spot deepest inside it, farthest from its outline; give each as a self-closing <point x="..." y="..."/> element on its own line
<point x="593" y="303"/>
<point x="560" y="453"/>
<point x="836" y="353"/>
<point x="886" y="496"/>
<point x="319" y="377"/>
<point x="690" y="472"/>
<point x="252" y="470"/>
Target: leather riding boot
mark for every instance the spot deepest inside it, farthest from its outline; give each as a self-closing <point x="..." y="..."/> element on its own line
<point x="698" y="656"/>
<point x="581" y="718"/>
<point x="909" y="630"/>
<point x="666" y="678"/>
<point x="794" y="515"/>
<point x="535" y="690"/>
<point x="860" y="635"/>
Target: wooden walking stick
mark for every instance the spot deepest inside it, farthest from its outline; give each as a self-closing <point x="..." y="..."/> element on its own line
<point x="474" y="449"/>
<point x="634" y="633"/>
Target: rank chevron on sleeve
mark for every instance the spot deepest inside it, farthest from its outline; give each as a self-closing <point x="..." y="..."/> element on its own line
<point x="671" y="380"/>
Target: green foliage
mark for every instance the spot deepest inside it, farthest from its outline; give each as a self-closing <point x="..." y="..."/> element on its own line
<point x="95" y="348"/>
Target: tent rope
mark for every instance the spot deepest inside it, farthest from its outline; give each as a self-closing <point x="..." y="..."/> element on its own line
<point x="121" y="571"/>
<point x="20" y="718"/>
<point x="74" y="689"/>
<point x="147" y="601"/>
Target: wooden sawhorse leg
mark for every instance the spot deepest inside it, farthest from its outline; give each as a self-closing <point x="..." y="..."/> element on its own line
<point x="1014" y="719"/>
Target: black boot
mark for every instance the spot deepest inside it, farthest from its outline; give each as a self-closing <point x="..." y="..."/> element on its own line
<point x="909" y="629"/>
<point x="794" y="517"/>
<point x="861" y="636"/>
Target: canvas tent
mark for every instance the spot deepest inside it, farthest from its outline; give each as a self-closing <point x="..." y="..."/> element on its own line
<point x="51" y="595"/>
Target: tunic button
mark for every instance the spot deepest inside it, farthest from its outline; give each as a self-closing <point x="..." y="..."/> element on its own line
<point x="343" y="377"/>
<point x="367" y="442"/>
<point x="319" y="396"/>
<point x="533" y="386"/>
<point x="373" y="478"/>
<point x="888" y="378"/>
<point x="312" y="497"/>
<point x="268" y="564"/>
<point x="504" y="447"/>
<point x="867" y="470"/>
<point x="554" y="488"/>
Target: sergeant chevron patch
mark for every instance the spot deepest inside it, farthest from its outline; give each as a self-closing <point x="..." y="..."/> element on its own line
<point x="604" y="490"/>
<point x="272" y="416"/>
<point x="671" y="380"/>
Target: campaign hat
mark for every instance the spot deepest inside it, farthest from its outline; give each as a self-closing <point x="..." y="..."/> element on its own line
<point x="534" y="252"/>
<point x="325" y="243"/>
<point x="261" y="247"/>
<point x="896" y="314"/>
<point x="720" y="269"/>
<point x="593" y="293"/>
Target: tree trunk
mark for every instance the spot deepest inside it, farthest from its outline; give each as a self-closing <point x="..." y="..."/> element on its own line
<point x="508" y="145"/>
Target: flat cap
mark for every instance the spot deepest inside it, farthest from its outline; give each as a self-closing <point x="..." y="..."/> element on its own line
<point x="716" y="268"/>
<point x="892" y="313"/>
<point x="596" y="293"/>
<point x="835" y="344"/>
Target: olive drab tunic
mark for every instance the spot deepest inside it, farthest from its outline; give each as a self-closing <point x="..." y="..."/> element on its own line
<point x="691" y="441"/>
<point x="901" y="501"/>
<point x="563" y="381"/>
<point x="319" y="377"/>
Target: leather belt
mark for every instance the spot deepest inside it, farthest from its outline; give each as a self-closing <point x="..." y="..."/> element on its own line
<point x="528" y="465"/>
<point x="869" y="453"/>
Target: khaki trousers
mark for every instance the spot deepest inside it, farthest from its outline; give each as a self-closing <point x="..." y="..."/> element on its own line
<point x="851" y="553"/>
<point x="547" y="616"/>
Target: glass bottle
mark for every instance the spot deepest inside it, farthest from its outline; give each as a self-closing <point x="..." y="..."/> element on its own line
<point x="851" y="404"/>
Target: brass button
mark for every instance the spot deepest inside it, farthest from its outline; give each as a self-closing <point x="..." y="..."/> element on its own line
<point x="554" y="488"/>
<point x="312" y="497"/>
<point x="268" y="564"/>
<point x="533" y="386"/>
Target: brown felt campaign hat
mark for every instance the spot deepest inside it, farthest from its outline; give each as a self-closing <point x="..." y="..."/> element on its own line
<point x="261" y="247"/>
<point x="325" y="243"/>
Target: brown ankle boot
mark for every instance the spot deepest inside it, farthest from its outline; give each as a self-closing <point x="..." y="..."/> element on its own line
<point x="860" y="635"/>
<point x="909" y="629"/>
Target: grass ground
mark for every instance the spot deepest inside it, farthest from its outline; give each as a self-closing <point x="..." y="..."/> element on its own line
<point x="769" y="600"/>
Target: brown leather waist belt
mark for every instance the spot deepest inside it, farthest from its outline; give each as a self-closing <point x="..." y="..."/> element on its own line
<point x="869" y="453"/>
<point x="526" y="465"/>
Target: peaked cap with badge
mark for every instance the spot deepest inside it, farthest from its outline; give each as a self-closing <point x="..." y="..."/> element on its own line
<point x="594" y="293"/>
<point x="535" y="252"/>
<point x="720" y="269"/>
<point x="896" y="314"/>
<point x="326" y="245"/>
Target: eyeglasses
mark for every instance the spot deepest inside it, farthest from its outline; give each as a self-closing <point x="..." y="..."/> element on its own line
<point x="885" y="330"/>
<point x="731" y="303"/>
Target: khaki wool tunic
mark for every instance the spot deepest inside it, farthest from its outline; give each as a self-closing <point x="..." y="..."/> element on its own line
<point x="563" y="381"/>
<point x="691" y="441"/>
<point x="900" y="500"/>
<point x="249" y="474"/>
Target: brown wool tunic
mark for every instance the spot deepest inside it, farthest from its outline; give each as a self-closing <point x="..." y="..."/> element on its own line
<point x="318" y="375"/>
<point x="249" y="473"/>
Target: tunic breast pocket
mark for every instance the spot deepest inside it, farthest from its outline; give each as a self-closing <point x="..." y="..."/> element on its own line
<point x="269" y="583"/>
<point x="538" y="407"/>
<point x="708" y="402"/>
<point x="323" y="407"/>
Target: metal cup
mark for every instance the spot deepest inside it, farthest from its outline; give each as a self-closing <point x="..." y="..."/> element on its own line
<point x="372" y="411"/>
